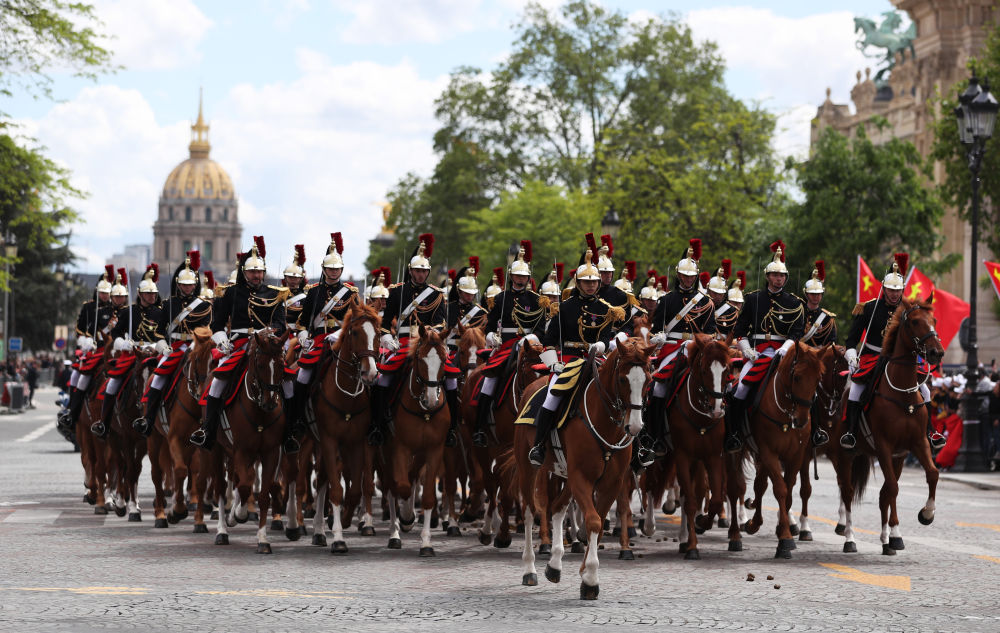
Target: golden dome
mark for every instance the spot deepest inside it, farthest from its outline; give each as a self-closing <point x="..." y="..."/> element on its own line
<point x="199" y="176"/>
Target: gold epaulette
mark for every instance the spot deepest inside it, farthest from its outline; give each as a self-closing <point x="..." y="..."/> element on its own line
<point x="284" y="292"/>
<point x="434" y="287"/>
<point x="860" y="307"/>
<point x="797" y="297"/>
<point x="567" y="293"/>
<point x="221" y="290"/>
<point x="490" y="302"/>
<point x="616" y="313"/>
<point x="396" y="285"/>
<point x="828" y="313"/>
<point x="544" y="302"/>
<point x="632" y="301"/>
<point x="310" y="287"/>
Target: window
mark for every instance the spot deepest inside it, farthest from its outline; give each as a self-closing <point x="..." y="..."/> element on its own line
<point x="187" y="246"/>
<point x="225" y="216"/>
<point x="208" y="214"/>
<point x="187" y="214"/>
<point x="229" y="256"/>
<point x="166" y="250"/>
<point x="208" y="251"/>
<point x="170" y="213"/>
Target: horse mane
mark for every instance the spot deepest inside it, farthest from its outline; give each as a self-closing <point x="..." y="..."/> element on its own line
<point x="359" y="312"/>
<point x="892" y="331"/>
<point x="202" y="344"/>
<point x="807" y="355"/>
<point x="630" y="353"/>
<point x="476" y="335"/>
<point x="416" y="342"/>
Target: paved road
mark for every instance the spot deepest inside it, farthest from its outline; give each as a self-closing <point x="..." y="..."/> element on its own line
<point x="67" y="569"/>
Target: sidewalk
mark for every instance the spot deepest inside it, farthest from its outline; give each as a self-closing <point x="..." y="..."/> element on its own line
<point x="983" y="481"/>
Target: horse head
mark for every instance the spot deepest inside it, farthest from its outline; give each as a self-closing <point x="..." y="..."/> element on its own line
<point x="470" y="341"/>
<point x="267" y="367"/>
<point x="917" y="320"/>
<point x="640" y="325"/>
<point x="800" y="370"/>
<point x="428" y="356"/>
<point x="357" y="340"/>
<point x="629" y="366"/>
<point x="710" y="368"/>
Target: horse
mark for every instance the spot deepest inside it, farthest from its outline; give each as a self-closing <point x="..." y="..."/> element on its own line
<point x="252" y="427"/>
<point x="421" y="421"/>
<point x="694" y="418"/>
<point x="596" y="445"/>
<point x="342" y="409"/>
<point x="898" y="424"/>
<point x="779" y="432"/>
<point x="884" y="38"/>
<point x="94" y="454"/>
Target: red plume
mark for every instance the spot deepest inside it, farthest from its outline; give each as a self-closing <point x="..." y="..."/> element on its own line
<point x="428" y="240"/>
<point x="695" y="244"/>
<point x="572" y="273"/>
<point x="630" y="271"/>
<point x="742" y="276"/>
<point x="651" y="273"/>
<point x="109" y="272"/>
<point x="526" y="245"/>
<point x="704" y="277"/>
<point x="374" y="273"/>
<point x="592" y="245"/>
<point x="533" y="286"/>
<point x="727" y="268"/>
<point x="499" y="275"/>
<point x="210" y="280"/>
<point x="821" y="269"/>
<point x="388" y="274"/>
<point x="606" y="241"/>
<point x="776" y="245"/>
<point x="663" y="281"/>
<point x="338" y="242"/>
<point x="452" y="273"/>
<point x="559" y="272"/>
<point x="156" y="271"/>
<point x="195" y="257"/>
<point x="124" y="275"/>
<point x="239" y="256"/>
<point x="474" y="263"/>
<point x="300" y="253"/>
<point x="903" y="259"/>
<point x="259" y="241"/>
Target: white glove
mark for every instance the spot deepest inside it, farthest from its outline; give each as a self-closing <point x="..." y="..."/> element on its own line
<point x="557" y="368"/>
<point x="658" y="339"/>
<point x="222" y="342"/>
<point x="122" y="345"/>
<point x="304" y="340"/>
<point x="85" y="343"/>
<point x="597" y="348"/>
<point x="492" y="339"/>
<point x="389" y="343"/>
<point x="851" y="356"/>
<point x="549" y="357"/>
<point x="162" y="347"/>
<point x="749" y="353"/>
<point x="787" y="345"/>
<point x="616" y="339"/>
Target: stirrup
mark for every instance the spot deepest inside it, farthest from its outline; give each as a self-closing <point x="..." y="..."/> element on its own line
<point x="479" y="439"/>
<point x="291" y="445"/>
<point x="451" y="438"/>
<point x="537" y="455"/>
<point x="645" y="457"/>
<point x="733" y="443"/>
<point x="658" y="449"/>
<point x="847" y="441"/>
<point x="937" y="441"/>
<point x="375" y="437"/>
<point x="199" y="438"/>
<point x="142" y="426"/>
<point x="820" y="437"/>
<point x="99" y="430"/>
<point x="64" y="420"/>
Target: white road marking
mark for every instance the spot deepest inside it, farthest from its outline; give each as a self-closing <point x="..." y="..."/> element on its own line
<point x="37" y="433"/>
<point x="37" y="517"/>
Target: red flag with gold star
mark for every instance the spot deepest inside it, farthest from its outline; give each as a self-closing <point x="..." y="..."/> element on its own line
<point x="918" y="286"/>
<point x="993" y="269"/>
<point x="949" y="311"/>
<point x="868" y="285"/>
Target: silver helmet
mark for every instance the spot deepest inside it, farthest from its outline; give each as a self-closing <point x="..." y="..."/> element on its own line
<point x="689" y="264"/>
<point x="896" y="279"/>
<point x="521" y="265"/>
<point x="149" y="278"/>
<point x="422" y="260"/>
<point x="334" y="252"/>
<point x="295" y="269"/>
<point x="257" y="253"/>
<point x="815" y="283"/>
<point x="120" y="287"/>
<point x="777" y="263"/>
<point x="720" y="282"/>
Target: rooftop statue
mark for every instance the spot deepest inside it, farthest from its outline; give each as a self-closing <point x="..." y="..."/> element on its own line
<point x="884" y="36"/>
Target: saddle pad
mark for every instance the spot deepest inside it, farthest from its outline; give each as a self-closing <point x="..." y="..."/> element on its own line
<point x="568" y="385"/>
<point x="232" y="389"/>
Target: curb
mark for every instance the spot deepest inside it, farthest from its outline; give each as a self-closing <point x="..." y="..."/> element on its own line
<point x="975" y="483"/>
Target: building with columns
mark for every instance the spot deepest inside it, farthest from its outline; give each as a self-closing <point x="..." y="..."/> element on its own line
<point x="198" y="209"/>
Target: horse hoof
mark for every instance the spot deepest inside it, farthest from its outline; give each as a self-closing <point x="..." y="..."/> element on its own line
<point x="616" y="532"/>
<point x="206" y="507"/>
<point x="794" y="529"/>
<point x="215" y="515"/>
<point x="192" y="507"/>
<point x="484" y="538"/>
<point x="200" y="528"/>
<point x="237" y="518"/>
<point x="100" y="509"/>
<point x="303" y="531"/>
<point x="631" y="532"/>
<point x="577" y="548"/>
<point x="750" y="528"/>
<point x="309" y="513"/>
<point x="783" y="553"/>
<point x="520" y="528"/>
<point x="887" y="550"/>
<point x="134" y="517"/>
<point x="406" y="524"/>
<point x="723" y="522"/>
<point x="277" y="525"/>
<point x="175" y="517"/>
<point x="896" y="543"/>
<point x="692" y="554"/>
<point x="121" y="511"/>
<point x="587" y="592"/>
<point x="669" y="508"/>
<point x="395" y="543"/>
<point x="263" y="548"/>
<point x="805" y="535"/>
<point x="426" y="552"/>
<point x="749" y="503"/>
<point x="319" y="539"/>
<point x="682" y="548"/>
<point x="626" y="554"/>
<point x="293" y="534"/>
<point x="840" y="529"/>
<point x="454" y="531"/>
<point x="544" y="550"/>
<point x="338" y="547"/>
<point x="787" y="543"/>
<point x="923" y="520"/>
<point x="90" y="497"/>
<point x="850" y="547"/>
<point x="222" y="539"/>
<point x="702" y="524"/>
<point x="501" y="542"/>
<point x="368" y="530"/>
<point x="735" y="546"/>
<point x="160" y="523"/>
<point x="253" y="516"/>
<point x="552" y="574"/>
<point x="529" y="580"/>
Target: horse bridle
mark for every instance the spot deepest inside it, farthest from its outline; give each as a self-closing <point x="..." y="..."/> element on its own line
<point x="617" y="409"/>
<point x="802" y="402"/>
<point x="355" y="363"/>
<point x="262" y="386"/>
<point x="919" y="344"/>
<point x="704" y="394"/>
<point x="425" y="384"/>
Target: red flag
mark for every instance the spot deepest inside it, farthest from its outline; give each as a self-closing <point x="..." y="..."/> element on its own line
<point x="949" y="311"/>
<point x="868" y="286"/>
<point x="918" y="286"/>
<point x="994" y="270"/>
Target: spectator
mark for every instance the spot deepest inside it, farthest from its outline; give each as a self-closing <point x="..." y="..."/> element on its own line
<point x="993" y="450"/>
<point x="31" y="377"/>
<point x="951" y="426"/>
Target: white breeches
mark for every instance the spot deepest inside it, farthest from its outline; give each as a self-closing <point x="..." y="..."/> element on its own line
<point x="660" y="386"/>
<point x="114" y="384"/>
<point x="743" y="390"/>
<point x="551" y="400"/>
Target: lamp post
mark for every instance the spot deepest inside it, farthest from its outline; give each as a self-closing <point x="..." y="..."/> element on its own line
<point x="10" y="251"/>
<point x="611" y="223"/>
<point x="976" y="115"/>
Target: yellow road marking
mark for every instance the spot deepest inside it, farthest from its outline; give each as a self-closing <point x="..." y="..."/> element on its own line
<point x="979" y="525"/>
<point x="992" y="559"/>
<point x="901" y="583"/>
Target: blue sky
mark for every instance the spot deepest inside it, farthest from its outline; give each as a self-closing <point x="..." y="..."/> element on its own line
<point x="318" y="106"/>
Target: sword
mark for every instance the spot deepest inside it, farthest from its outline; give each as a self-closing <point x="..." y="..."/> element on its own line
<point x="128" y="289"/>
<point x="559" y="316"/>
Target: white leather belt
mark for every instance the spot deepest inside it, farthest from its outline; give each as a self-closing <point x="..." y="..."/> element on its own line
<point x="680" y="336"/>
<point x="511" y="330"/>
<point x="873" y="348"/>
<point x="769" y="337"/>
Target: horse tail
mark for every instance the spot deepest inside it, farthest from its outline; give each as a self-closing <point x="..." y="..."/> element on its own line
<point x="861" y="470"/>
<point x="507" y="468"/>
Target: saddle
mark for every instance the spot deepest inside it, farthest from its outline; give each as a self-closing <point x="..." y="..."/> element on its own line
<point x="233" y="387"/>
<point x="571" y="384"/>
<point x="497" y="402"/>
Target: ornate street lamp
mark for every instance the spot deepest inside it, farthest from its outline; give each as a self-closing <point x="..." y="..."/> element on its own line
<point x="10" y="251"/>
<point x="976" y="115"/>
<point x="611" y="223"/>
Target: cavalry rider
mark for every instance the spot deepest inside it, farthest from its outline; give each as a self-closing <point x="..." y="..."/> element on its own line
<point x="93" y="330"/>
<point x="138" y="326"/>
<point x="516" y="312"/>
<point x="871" y="320"/>
<point x="821" y="324"/>
<point x="246" y="306"/>
<point x="624" y="284"/>
<point x="680" y="314"/>
<point x="208" y="288"/>
<point x="648" y="296"/>
<point x="494" y="289"/>
<point x="552" y="293"/>
<point x="294" y="278"/>
<point x="411" y="304"/>
<point x="772" y="319"/>
<point x="586" y="322"/>
<point x="378" y="291"/>
<point x="462" y="305"/>
<point x="320" y="316"/>
<point x="610" y="291"/>
<point x="718" y="292"/>
<point x="184" y="311"/>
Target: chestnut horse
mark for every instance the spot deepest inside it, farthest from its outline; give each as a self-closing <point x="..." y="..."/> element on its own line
<point x="779" y="433"/>
<point x="342" y="410"/>
<point x="94" y="454"/>
<point x="595" y="443"/>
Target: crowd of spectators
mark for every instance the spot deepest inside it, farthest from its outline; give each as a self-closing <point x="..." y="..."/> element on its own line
<point x="28" y="370"/>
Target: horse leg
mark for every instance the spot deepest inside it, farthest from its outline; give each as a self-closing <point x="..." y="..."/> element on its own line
<point x="179" y="510"/>
<point x="805" y="492"/>
<point x="529" y="576"/>
<point x="847" y="486"/>
<point x="269" y="471"/>
<point x="887" y="495"/>
<point x="770" y="465"/>
<point x="333" y="469"/>
<point x="790" y="476"/>
<point x="155" y="446"/>
<point x="649" y="515"/>
<point x="688" y="539"/>
<point x="394" y="541"/>
<point x="759" y="488"/>
<point x="583" y="493"/>
<point x="318" y="519"/>
<point x="735" y="489"/>
<point x="922" y="450"/>
<point x="553" y="569"/>
<point x="895" y="535"/>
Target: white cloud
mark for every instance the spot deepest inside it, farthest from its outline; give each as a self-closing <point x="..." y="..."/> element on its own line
<point x="152" y="34"/>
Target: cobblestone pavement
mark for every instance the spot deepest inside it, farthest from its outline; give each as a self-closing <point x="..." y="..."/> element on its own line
<point x="67" y="569"/>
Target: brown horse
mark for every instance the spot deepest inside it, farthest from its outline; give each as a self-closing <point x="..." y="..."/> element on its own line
<point x="94" y="454"/>
<point x="696" y="432"/>
<point x="342" y="409"/>
<point x="779" y="434"/>
<point x="894" y="425"/>
<point x="253" y="426"/>
<point x="595" y="444"/>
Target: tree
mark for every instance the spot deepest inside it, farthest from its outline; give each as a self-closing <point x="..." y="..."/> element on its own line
<point x="862" y="199"/>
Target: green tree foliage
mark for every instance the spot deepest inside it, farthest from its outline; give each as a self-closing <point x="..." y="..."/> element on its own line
<point x="861" y="199"/>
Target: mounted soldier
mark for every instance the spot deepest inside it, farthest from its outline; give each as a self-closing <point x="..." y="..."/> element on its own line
<point x="377" y="292"/>
<point x="462" y="305"/>
<point x="208" y="288"/>
<point x="294" y="278"/>
<point x="184" y="311"/>
<point x="871" y="320"/>
<point x="494" y="289"/>
<point x="717" y="289"/>
<point x="821" y="324"/>
<point x="769" y="324"/>
<point x="648" y="296"/>
<point x="552" y="293"/>
<point x="411" y="304"/>
<point x="625" y="284"/>
<point x="135" y="327"/>
<point x="586" y="322"/>
<point x="247" y="306"/>
<point x="516" y="312"/>
<point x="610" y="290"/>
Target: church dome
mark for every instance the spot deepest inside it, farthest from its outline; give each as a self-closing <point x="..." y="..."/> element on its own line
<point x="199" y="177"/>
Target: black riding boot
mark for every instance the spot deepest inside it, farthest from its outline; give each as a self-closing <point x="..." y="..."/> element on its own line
<point x="144" y="425"/>
<point x="936" y="440"/>
<point x="379" y="415"/>
<point x="455" y="410"/>
<point x="68" y="419"/>
<point x="543" y="426"/>
<point x="205" y="436"/>
<point x="101" y="427"/>
<point x="819" y="435"/>
<point x="657" y="425"/>
<point x="289" y="442"/>
<point x="300" y="408"/>
<point x="734" y="420"/>
<point x="853" y="415"/>
<point x="479" y="437"/>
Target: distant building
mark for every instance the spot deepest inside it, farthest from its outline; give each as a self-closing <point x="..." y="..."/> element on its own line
<point x="135" y="258"/>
